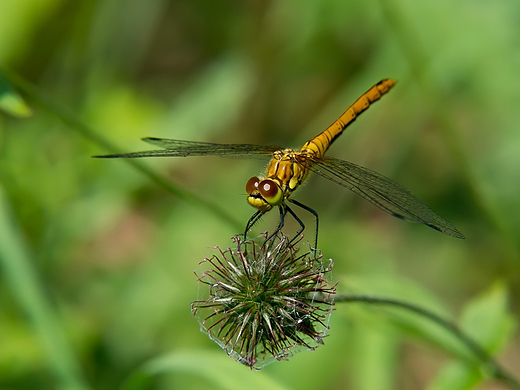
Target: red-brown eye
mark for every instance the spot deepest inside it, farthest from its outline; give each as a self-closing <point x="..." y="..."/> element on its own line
<point x="252" y="184"/>
<point x="268" y="188"/>
<point x="270" y="192"/>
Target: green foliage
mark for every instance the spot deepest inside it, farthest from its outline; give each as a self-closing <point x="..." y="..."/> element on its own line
<point x="97" y="260"/>
<point x="487" y="321"/>
<point x="11" y="102"/>
<point x="216" y="368"/>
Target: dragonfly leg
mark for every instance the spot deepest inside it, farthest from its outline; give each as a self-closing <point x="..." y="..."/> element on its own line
<point x="313" y="212"/>
<point x="283" y="211"/>
<point x="252" y="221"/>
<point x="300" y="222"/>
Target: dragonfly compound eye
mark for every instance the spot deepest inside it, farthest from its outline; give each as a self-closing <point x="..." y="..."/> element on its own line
<point x="252" y="184"/>
<point x="270" y="191"/>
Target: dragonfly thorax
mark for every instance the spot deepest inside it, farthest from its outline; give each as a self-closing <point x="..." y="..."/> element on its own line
<point x="288" y="169"/>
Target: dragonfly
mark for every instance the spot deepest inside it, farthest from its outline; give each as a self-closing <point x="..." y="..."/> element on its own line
<point x="289" y="168"/>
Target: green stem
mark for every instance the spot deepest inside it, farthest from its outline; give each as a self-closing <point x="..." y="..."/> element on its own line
<point x="86" y="131"/>
<point x="497" y="371"/>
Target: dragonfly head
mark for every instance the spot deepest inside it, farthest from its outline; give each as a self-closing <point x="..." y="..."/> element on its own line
<point x="263" y="194"/>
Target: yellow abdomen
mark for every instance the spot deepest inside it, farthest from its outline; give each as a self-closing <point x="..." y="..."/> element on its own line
<point x="319" y="144"/>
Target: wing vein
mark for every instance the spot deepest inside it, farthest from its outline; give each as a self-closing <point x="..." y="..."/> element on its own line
<point x="383" y="192"/>
<point x="180" y="148"/>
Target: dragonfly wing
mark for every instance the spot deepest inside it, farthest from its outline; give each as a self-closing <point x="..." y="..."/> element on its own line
<point x="179" y="148"/>
<point x="382" y="192"/>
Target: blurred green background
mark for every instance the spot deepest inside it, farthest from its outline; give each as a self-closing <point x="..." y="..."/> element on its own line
<point x="112" y="253"/>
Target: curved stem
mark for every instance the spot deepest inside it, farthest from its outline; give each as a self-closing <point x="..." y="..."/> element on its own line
<point x="497" y="371"/>
<point x="86" y="131"/>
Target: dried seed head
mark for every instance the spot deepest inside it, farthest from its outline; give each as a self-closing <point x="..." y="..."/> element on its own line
<point x="265" y="302"/>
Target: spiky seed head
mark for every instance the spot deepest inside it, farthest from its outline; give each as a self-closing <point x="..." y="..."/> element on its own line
<point x="264" y="301"/>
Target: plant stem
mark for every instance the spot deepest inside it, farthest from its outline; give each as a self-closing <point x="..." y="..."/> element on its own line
<point x="497" y="371"/>
<point x="87" y="132"/>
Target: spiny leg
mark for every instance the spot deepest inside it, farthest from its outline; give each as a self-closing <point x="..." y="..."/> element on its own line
<point x="283" y="211"/>
<point x="252" y="221"/>
<point x="313" y="212"/>
<point x="300" y="222"/>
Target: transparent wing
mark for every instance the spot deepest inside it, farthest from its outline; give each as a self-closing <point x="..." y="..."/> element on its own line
<point x="178" y="148"/>
<point x="382" y="192"/>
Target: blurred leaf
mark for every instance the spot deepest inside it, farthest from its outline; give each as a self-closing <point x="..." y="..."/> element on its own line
<point x="487" y="315"/>
<point x="407" y="322"/>
<point x="456" y="376"/>
<point x="217" y="368"/>
<point x="487" y="320"/>
<point x="11" y="102"/>
<point x="375" y="351"/>
<point x="26" y="288"/>
<point x="19" y="20"/>
<point x="220" y="91"/>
